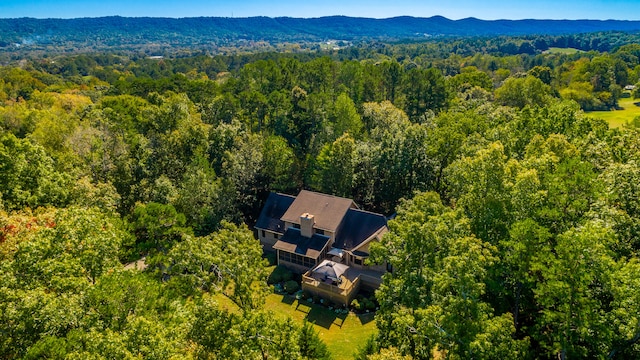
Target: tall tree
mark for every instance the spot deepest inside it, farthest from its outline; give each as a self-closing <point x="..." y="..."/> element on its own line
<point x="424" y="89"/>
<point x="228" y="261"/>
<point x="334" y="168"/>
<point x="432" y="301"/>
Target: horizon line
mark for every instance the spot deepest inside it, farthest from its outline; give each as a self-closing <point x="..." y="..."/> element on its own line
<point x="306" y="18"/>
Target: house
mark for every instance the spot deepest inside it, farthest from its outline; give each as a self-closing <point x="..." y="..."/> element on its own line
<point x="326" y="238"/>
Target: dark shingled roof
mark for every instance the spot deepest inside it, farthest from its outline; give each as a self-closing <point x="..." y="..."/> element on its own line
<point x="274" y="208"/>
<point x="294" y="242"/>
<point x="327" y="210"/>
<point x="358" y="226"/>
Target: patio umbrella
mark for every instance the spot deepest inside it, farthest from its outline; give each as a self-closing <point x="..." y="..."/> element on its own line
<point x="330" y="270"/>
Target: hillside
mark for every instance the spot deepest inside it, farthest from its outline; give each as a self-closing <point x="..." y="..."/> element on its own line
<point x="64" y="35"/>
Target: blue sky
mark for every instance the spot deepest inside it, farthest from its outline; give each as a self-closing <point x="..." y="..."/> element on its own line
<point x="453" y="9"/>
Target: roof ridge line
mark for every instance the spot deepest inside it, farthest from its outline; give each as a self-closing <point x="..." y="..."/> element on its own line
<point x="366" y="211"/>
<point x="328" y="195"/>
<point x="283" y="194"/>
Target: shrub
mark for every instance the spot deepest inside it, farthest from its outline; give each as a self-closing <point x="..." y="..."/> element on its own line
<point x="369" y="305"/>
<point x="356" y="305"/>
<point x="277" y="288"/>
<point x="311" y="347"/>
<point x="291" y="286"/>
<point x="271" y="258"/>
<point x="280" y="274"/>
<point x="370" y="347"/>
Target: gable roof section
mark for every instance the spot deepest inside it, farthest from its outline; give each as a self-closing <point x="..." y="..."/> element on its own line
<point x="292" y="241"/>
<point x="327" y="210"/>
<point x="358" y="227"/>
<point x="275" y="206"/>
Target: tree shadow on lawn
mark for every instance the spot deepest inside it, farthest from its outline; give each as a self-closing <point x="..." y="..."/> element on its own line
<point x="321" y="316"/>
<point x="366" y="317"/>
<point x="287" y="299"/>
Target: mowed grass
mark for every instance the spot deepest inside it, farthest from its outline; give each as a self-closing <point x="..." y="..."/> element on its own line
<point x="344" y="334"/>
<point x="629" y="109"/>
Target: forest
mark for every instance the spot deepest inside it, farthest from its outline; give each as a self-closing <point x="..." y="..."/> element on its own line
<point x="223" y="35"/>
<point x="116" y="33"/>
<point x="515" y="230"/>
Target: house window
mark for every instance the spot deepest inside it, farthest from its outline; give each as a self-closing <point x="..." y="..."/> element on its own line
<point x="296" y="226"/>
<point x="284" y="256"/>
<point x="277" y="236"/>
<point x="297" y="259"/>
<point x="263" y="234"/>
<point x="320" y="231"/>
<point x="357" y="261"/>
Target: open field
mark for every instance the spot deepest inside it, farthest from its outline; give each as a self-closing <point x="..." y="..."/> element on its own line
<point x="557" y="50"/>
<point x="629" y="109"/>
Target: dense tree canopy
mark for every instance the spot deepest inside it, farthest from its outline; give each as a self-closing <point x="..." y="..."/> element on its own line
<point x="516" y="230"/>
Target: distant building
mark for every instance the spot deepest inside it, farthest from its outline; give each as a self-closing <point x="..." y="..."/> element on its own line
<point x="326" y="238"/>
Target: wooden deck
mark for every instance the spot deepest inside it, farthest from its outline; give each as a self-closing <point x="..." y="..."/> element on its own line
<point x="346" y="290"/>
<point x="369" y="278"/>
<point x="341" y="293"/>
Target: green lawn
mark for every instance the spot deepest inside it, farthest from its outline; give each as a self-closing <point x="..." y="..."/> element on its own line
<point x="629" y="109"/>
<point x="343" y="334"/>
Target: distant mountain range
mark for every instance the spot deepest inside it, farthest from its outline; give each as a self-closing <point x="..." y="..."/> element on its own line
<point x="104" y="32"/>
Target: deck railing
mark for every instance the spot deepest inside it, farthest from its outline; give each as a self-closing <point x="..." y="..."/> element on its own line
<point x="343" y="289"/>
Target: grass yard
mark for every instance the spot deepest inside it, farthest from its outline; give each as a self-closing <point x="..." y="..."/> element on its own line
<point x="343" y="334"/>
<point x="629" y="109"/>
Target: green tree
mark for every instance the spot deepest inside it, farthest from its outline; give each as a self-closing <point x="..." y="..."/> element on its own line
<point x="424" y="89"/>
<point x="572" y="293"/>
<point x="280" y="164"/>
<point x="157" y="226"/>
<point x="543" y="73"/>
<point x="624" y="318"/>
<point x="345" y="117"/>
<point x="392" y="79"/>
<point x="477" y="184"/>
<point x="380" y="118"/>
<point x="118" y="294"/>
<point x="432" y="301"/>
<point x="582" y="93"/>
<point x="334" y="169"/>
<point x="468" y="78"/>
<point x="310" y="344"/>
<point x="28" y="176"/>
<point x="206" y="199"/>
<point x="403" y="165"/>
<point x="45" y="281"/>
<point x="228" y="261"/>
<point x="520" y="92"/>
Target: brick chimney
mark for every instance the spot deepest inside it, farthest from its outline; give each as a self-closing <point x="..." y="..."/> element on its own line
<point x="306" y="225"/>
